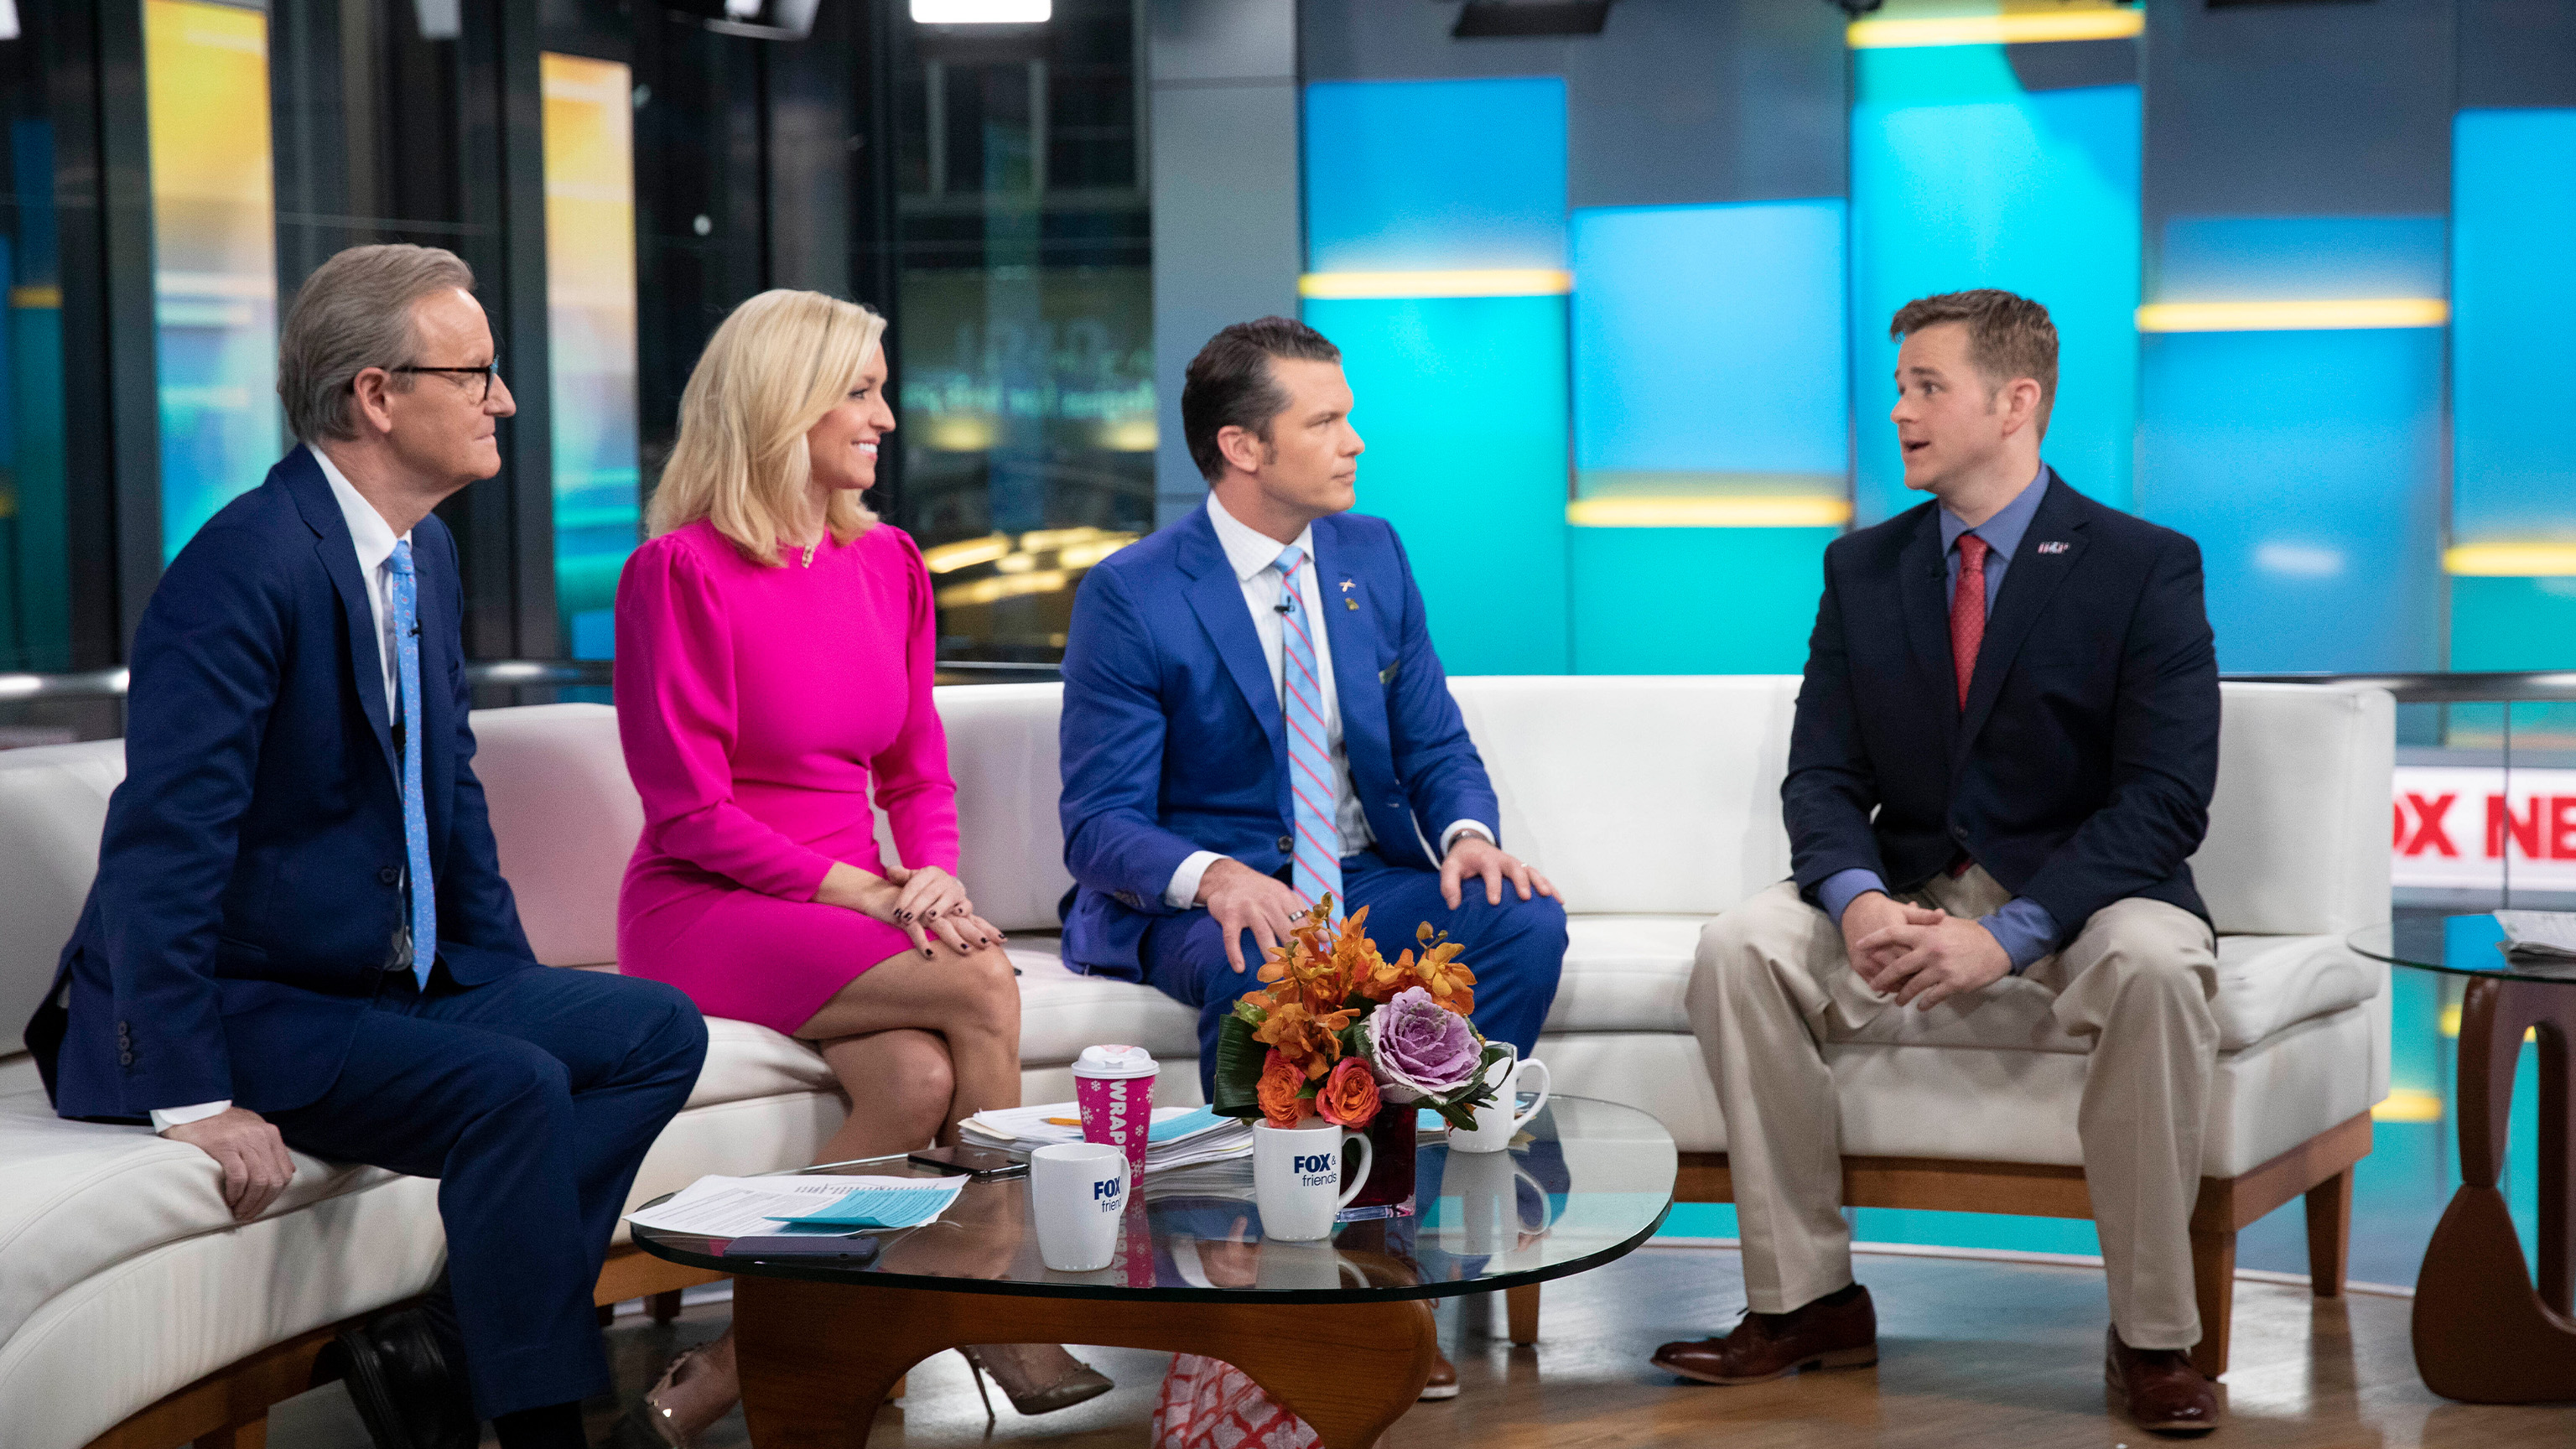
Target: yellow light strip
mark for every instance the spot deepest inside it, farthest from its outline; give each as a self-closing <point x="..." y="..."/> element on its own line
<point x="2510" y="560"/>
<point x="1508" y="282"/>
<point x="1995" y="29"/>
<point x="2366" y="312"/>
<point x="1740" y="512"/>
<point x="36" y="296"/>
<point x="2407" y="1104"/>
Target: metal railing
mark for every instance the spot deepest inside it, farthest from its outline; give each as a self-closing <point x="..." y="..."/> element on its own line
<point x="2531" y="686"/>
<point x="488" y="673"/>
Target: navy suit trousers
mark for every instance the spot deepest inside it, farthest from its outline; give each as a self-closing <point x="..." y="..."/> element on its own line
<point x="532" y="1099"/>
<point x="1516" y="949"/>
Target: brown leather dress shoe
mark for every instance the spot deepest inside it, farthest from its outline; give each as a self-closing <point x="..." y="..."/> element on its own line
<point x="1774" y="1345"/>
<point x="1443" y="1383"/>
<point x="2163" y="1392"/>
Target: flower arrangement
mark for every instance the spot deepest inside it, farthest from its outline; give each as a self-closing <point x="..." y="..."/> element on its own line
<point x="1341" y="1031"/>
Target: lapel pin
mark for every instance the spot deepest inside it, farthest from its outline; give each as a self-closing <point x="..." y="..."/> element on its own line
<point x="1346" y="586"/>
<point x="2052" y="546"/>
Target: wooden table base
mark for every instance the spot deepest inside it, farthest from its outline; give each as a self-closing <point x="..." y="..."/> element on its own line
<point x="2483" y="1334"/>
<point x="818" y="1358"/>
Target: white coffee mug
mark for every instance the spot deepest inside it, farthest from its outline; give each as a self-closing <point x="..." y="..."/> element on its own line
<point x="1499" y="1120"/>
<point x="1490" y="1217"/>
<point x="1297" y="1177"/>
<point x="1078" y="1193"/>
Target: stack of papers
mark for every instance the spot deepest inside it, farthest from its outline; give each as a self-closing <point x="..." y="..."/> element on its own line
<point x="742" y="1207"/>
<point x="2539" y="933"/>
<point x="1180" y="1136"/>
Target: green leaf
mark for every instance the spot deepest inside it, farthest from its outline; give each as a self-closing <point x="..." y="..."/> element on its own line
<point x="1238" y="1069"/>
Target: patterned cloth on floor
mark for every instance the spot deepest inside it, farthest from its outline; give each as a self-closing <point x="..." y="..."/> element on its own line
<point x="1207" y="1403"/>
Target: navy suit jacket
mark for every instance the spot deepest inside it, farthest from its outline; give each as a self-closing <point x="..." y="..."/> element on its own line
<point x="2081" y="769"/>
<point x="248" y="884"/>
<point x="1173" y="741"/>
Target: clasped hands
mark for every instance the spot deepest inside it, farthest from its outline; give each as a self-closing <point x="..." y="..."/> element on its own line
<point x="925" y="903"/>
<point x="1920" y="954"/>
<point x="1243" y="899"/>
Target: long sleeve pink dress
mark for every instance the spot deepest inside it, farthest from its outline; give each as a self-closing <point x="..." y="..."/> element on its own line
<point x="758" y="708"/>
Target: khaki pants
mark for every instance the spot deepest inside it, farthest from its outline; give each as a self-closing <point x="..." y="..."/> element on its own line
<point x="1772" y="985"/>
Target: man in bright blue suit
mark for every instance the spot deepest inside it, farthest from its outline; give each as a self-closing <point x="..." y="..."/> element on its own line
<point x="299" y="935"/>
<point x="1254" y="718"/>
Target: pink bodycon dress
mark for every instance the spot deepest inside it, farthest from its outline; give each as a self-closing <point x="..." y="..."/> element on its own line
<point x="757" y="707"/>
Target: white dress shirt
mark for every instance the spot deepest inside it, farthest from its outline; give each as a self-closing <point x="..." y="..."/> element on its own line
<point x="1252" y="555"/>
<point x="375" y="543"/>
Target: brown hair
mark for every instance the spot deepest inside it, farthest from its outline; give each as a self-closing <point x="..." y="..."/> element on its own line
<point x="1230" y="383"/>
<point x="2009" y="337"/>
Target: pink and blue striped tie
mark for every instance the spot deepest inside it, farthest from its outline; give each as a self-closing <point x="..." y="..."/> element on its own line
<point x="1315" y="866"/>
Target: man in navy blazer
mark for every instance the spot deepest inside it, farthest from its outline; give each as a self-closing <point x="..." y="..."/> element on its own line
<point x="2003" y="757"/>
<point x="1254" y="717"/>
<point x="299" y="935"/>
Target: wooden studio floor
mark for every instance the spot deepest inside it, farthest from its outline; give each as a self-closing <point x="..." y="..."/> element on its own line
<point x="1971" y="1353"/>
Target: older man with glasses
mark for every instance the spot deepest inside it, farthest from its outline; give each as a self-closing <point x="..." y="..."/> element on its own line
<point x="299" y="936"/>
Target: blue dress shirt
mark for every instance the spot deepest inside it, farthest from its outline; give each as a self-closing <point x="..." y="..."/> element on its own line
<point x="2023" y="927"/>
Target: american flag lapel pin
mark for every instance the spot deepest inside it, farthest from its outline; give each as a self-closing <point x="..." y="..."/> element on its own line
<point x="1347" y="601"/>
<point x="2053" y="546"/>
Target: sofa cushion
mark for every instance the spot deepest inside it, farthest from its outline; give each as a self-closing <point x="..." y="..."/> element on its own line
<point x="76" y="1197"/>
<point x="155" y="1318"/>
<point x="53" y="804"/>
<point x="565" y="818"/>
<point x="1624" y="973"/>
<point x="1635" y="794"/>
<point x="745" y="1062"/>
<point x="1061" y="1012"/>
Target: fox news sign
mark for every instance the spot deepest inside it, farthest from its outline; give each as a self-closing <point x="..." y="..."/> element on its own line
<point x="2457" y="826"/>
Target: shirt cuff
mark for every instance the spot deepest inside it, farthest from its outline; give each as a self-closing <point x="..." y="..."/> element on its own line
<point x="1844" y="887"/>
<point x="165" y="1118"/>
<point x="1449" y="837"/>
<point x="1183" y="892"/>
<point x="2025" y="929"/>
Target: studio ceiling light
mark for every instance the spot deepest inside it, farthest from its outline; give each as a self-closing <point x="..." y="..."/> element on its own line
<point x="1499" y="282"/>
<point x="2357" y="314"/>
<point x="2024" y="28"/>
<point x="982" y="12"/>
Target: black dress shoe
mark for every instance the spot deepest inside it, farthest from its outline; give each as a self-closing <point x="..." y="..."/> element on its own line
<point x="409" y="1391"/>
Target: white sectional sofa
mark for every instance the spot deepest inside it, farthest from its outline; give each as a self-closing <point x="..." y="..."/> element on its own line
<point x="132" y="1307"/>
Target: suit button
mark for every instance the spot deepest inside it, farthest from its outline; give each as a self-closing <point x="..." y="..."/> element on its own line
<point x="387" y="874"/>
<point x="1287" y="844"/>
<point x="125" y="1059"/>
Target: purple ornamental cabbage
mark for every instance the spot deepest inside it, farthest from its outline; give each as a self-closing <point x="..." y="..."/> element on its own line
<point x="1419" y="1048"/>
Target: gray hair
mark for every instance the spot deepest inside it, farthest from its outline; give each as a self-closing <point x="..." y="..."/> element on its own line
<point x="354" y="313"/>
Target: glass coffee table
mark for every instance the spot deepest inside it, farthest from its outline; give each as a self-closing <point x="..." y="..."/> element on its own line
<point x="1339" y="1330"/>
<point x="2482" y="1333"/>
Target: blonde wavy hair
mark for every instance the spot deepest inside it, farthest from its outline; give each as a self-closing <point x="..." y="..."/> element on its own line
<point x="769" y="374"/>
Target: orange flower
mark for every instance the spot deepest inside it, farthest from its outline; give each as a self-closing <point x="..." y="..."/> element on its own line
<point x="1349" y="1095"/>
<point x="1281" y="1081"/>
<point x="1439" y="971"/>
<point x="1307" y="1039"/>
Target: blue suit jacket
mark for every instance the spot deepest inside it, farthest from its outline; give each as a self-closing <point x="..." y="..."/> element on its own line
<point x="1173" y="742"/>
<point x="248" y="883"/>
<point x="2081" y="769"/>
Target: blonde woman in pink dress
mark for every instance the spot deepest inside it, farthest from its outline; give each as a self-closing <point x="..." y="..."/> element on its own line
<point x="775" y="652"/>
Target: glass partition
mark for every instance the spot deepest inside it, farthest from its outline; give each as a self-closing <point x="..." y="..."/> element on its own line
<point x="590" y="317"/>
<point x="205" y="71"/>
<point x="35" y="548"/>
<point x="1024" y="318"/>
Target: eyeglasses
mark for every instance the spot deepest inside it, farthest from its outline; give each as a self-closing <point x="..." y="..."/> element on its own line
<point x="489" y="372"/>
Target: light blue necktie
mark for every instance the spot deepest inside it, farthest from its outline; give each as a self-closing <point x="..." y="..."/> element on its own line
<point x="424" y="893"/>
<point x="1315" y="866"/>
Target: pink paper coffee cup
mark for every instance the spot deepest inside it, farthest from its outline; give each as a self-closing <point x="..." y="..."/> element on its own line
<point x="1113" y="1089"/>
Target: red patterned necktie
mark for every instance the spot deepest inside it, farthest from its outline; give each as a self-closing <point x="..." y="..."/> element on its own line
<point x="1968" y="611"/>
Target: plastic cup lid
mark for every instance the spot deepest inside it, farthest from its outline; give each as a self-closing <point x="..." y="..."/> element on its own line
<point x="1114" y="1061"/>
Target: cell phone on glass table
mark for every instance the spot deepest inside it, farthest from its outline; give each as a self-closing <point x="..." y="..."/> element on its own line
<point x="983" y="1164"/>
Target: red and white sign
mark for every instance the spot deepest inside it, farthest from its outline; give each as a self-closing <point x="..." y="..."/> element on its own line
<point x="2458" y="825"/>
